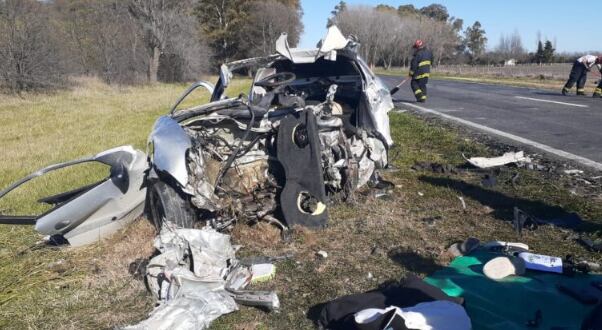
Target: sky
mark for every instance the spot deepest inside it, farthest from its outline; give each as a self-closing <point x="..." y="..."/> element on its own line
<point x="573" y="30"/>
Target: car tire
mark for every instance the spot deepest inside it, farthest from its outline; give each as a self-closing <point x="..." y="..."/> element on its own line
<point x="168" y="204"/>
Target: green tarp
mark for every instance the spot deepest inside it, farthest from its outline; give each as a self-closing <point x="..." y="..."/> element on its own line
<point x="510" y="303"/>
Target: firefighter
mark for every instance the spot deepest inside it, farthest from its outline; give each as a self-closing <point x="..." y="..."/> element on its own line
<point x="420" y="69"/>
<point x="579" y="73"/>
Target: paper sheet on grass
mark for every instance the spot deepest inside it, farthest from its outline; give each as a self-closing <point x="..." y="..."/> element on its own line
<point x="507" y="158"/>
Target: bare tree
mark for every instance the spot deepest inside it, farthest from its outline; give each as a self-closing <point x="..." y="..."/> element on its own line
<point x="29" y="52"/>
<point x="386" y="36"/>
<point x="267" y="20"/>
<point x="160" y="21"/>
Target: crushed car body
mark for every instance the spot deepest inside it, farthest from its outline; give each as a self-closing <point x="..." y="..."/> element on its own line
<point x="89" y="213"/>
<point x="313" y="128"/>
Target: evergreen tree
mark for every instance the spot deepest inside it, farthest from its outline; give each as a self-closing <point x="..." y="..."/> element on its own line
<point x="475" y="41"/>
<point x="539" y="56"/>
<point x="548" y="52"/>
<point x="341" y="7"/>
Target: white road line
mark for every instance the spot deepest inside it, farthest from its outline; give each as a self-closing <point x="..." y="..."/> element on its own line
<point x="549" y="101"/>
<point x="581" y="160"/>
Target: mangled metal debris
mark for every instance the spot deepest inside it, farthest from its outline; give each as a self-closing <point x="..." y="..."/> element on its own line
<point x="313" y="128"/>
<point x="523" y="220"/>
<point x="507" y="158"/>
<point x="196" y="278"/>
<point x="86" y="214"/>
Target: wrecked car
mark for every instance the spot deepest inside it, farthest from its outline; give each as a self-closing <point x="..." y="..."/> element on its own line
<point x="312" y="129"/>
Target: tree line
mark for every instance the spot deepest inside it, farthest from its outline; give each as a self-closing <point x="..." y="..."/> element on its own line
<point x="386" y="34"/>
<point x="44" y="43"/>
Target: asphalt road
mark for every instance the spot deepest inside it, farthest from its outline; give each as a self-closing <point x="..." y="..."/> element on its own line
<point x="563" y="125"/>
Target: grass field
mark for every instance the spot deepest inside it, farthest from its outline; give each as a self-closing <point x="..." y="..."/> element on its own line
<point x="89" y="288"/>
<point x="522" y="81"/>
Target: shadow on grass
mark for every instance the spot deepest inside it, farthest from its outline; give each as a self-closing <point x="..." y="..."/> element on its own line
<point x="503" y="205"/>
<point x="412" y="261"/>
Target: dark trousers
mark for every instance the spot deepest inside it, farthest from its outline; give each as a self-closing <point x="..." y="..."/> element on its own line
<point x="598" y="91"/>
<point x="578" y="75"/>
<point x="419" y="88"/>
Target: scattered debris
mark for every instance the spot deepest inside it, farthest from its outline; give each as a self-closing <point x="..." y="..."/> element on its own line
<point x="86" y="214"/>
<point x="434" y="167"/>
<point x="524" y="220"/>
<point x="514" y="179"/>
<point x="196" y="278"/>
<point x="432" y="220"/>
<point x="507" y="158"/>
<point x="322" y="254"/>
<point x="489" y="180"/>
<point x="137" y="268"/>
<point x="377" y="251"/>
<point x="463" y="202"/>
<point x="573" y="172"/>
<point x="506" y="247"/>
<point x="262" y="272"/>
<point x="542" y="262"/>
<point x="501" y="267"/>
<point x="421" y="194"/>
<point x="591" y="244"/>
<point x="464" y="248"/>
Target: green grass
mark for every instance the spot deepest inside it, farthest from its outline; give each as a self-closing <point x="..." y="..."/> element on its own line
<point x="39" y="130"/>
<point x="90" y="288"/>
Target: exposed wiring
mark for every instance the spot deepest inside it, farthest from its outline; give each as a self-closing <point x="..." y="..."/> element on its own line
<point x="234" y="154"/>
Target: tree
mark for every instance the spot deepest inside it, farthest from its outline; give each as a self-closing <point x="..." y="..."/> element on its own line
<point x="339" y="8"/>
<point x="407" y="10"/>
<point x="386" y="8"/>
<point x="30" y="56"/>
<point x="476" y="41"/>
<point x="221" y="23"/>
<point x="386" y="36"/>
<point x="267" y="20"/>
<point x="548" y="52"/>
<point x="160" y="20"/>
<point x="539" y="54"/>
<point x="435" y="11"/>
<point x="457" y="24"/>
<point x="510" y="47"/>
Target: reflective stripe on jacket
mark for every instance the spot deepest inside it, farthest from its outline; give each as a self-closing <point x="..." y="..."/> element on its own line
<point x="420" y="67"/>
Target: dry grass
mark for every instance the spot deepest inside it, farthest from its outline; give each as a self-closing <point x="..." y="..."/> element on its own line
<point x="547" y="83"/>
<point x="44" y="287"/>
<point x="90" y="288"/>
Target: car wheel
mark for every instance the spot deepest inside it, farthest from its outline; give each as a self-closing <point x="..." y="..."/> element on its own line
<point x="168" y="204"/>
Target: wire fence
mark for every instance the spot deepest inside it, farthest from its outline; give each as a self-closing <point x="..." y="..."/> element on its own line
<point x="555" y="71"/>
<point x="544" y="71"/>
